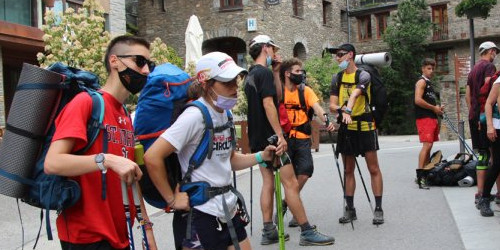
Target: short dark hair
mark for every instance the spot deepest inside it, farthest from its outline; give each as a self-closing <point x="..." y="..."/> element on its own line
<point x="255" y="50"/>
<point x="429" y="61"/>
<point x="124" y="39"/>
<point x="287" y="65"/>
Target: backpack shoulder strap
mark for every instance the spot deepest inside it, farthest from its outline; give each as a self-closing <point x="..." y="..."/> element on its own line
<point x="95" y="123"/>
<point x="204" y="149"/>
<point x="302" y="98"/>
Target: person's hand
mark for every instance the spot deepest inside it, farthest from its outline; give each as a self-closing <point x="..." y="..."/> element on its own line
<point x="330" y="127"/>
<point x="128" y="170"/>
<point x="346" y="118"/>
<point x="267" y="154"/>
<point x="181" y="200"/>
<point x="277" y="60"/>
<point x="439" y="110"/>
<point x="491" y="133"/>
<point x="282" y="145"/>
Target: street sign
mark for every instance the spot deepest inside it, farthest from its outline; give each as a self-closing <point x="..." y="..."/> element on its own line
<point x="252" y="24"/>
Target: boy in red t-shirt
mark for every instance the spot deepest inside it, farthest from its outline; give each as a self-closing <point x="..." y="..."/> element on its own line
<point x="94" y="222"/>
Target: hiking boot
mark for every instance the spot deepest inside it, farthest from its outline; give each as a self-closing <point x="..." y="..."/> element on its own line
<point x="349" y="215"/>
<point x="497" y="198"/>
<point x="293" y="223"/>
<point x="311" y="237"/>
<point x="477" y="196"/>
<point x="284" y="206"/>
<point x="484" y="207"/>
<point x="271" y="236"/>
<point x="378" y="217"/>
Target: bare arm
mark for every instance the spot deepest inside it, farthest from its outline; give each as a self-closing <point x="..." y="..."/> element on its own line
<point x="272" y="117"/>
<point x="242" y="161"/>
<point x="60" y="161"/>
<point x="488" y="110"/>
<point x="334" y="103"/>
<point x="154" y="160"/>
<point x="318" y="110"/>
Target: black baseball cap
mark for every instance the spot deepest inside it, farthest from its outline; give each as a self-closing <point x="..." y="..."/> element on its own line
<point x="346" y="46"/>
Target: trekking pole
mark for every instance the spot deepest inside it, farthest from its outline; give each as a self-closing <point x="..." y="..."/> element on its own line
<point x="450" y="124"/>
<point x="338" y="166"/>
<point x="251" y="200"/>
<point x="140" y="219"/>
<point x="364" y="186"/>
<point x="273" y="140"/>
<point x="126" y="205"/>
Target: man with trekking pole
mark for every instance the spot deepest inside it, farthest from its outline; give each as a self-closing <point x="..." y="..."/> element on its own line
<point x="357" y="135"/>
<point x="99" y="219"/>
<point x="263" y="91"/>
<point x="300" y="103"/>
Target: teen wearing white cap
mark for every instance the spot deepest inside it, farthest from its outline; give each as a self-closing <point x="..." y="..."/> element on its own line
<point x="218" y="75"/>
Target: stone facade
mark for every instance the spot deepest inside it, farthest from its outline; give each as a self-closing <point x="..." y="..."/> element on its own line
<point x="117" y="24"/>
<point x="169" y="22"/>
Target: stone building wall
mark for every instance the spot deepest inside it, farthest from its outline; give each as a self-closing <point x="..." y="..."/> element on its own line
<point x="117" y="24"/>
<point x="169" y="22"/>
<point x="2" y="99"/>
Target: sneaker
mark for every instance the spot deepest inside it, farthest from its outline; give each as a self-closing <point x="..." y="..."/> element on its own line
<point x="271" y="236"/>
<point x="312" y="237"/>
<point x="477" y="196"/>
<point x="349" y="215"/>
<point x="378" y="217"/>
<point x="284" y="206"/>
<point x="484" y="207"/>
<point x="293" y="223"/>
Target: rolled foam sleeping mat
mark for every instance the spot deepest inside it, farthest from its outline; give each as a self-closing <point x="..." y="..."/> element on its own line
<point x="30" y="111"/>
<point x="381" y="59"/>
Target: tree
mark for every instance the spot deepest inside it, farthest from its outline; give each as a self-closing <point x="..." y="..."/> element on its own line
<point x="79" y="40"/>
<point x="406" y="38"/>
<point x="475" y="8"/>
<point x="319" y="74"/>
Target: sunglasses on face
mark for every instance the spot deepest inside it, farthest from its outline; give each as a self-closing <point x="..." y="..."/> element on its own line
<point x="341" y="54"/>
<point x="140" y="61"/>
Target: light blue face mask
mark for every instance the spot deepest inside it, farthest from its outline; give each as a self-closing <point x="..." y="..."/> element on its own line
<point x="343" y="65"/>
<point x="223" y="102"/>
<point x="269" y="61"/>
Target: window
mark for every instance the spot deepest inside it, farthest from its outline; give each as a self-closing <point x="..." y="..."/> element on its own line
<point x="231" y="4"/>
<point x="381" y="23"/>
<point x="19" y="11"/>
<point x="344" y="22"/>
<point x="440" y="20"/>
<point x="298" y="8"/>
<point x="327" y="13"/>
<point x="364" y="28"/>
<point x="442" y="66"/>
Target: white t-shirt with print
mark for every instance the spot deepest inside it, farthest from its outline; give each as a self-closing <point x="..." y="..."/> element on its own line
<point x="185" y="135"/>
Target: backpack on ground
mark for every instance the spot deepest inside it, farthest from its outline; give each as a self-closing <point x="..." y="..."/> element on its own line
<point x="30" y="137"/>
<point x="378" y="101"/>
<point x="450" y="172"/>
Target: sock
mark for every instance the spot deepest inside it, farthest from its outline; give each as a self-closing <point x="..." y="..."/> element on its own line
<point x="268" y="226"/>
<point x="350" y="201"/>
<point x="378" y="202"/>
<point x="305" y="226"/>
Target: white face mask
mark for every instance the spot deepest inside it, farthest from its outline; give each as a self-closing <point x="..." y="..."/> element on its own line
<point x="343" y="65"/>
<point x="223" y="102"/>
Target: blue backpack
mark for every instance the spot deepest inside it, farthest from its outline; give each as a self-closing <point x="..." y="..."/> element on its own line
<point x="53" y="192"/>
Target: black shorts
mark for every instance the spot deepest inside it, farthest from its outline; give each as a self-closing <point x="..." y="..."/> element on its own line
<point x="211" y="232"/>
<point x="355" y="143"/>
<point x="299" y="151"/>
<point x="479" y="138"/>
<point x="101" y="245"/>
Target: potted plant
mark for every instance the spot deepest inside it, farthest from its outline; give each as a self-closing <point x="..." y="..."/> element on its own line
<point x="475" y="8"/>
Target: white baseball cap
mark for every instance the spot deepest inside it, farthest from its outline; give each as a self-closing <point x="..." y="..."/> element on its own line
<point x="262" y="39"/>
<point x="218" y="66"/>
<point x="486" y="46"/>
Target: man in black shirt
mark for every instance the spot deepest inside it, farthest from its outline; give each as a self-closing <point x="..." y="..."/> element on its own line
<point x="426" y="112"/>
<point x="263" y="91"/>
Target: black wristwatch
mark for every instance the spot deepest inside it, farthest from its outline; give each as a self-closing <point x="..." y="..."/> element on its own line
<point x="99" y="160"/>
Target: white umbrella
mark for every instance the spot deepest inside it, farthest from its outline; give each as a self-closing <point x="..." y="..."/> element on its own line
<point x="193" y="39"/>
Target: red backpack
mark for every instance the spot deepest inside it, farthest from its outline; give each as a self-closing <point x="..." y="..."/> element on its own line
<point x="485" y="90"/>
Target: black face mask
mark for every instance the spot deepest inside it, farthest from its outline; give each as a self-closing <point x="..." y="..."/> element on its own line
<point x="132" y="80"/>
<point x="296" y="78"/>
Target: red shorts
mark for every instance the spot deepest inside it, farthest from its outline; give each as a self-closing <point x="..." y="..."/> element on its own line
<point x="428" y="129"/>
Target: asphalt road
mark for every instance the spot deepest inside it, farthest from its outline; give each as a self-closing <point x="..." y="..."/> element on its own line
<point x="439" y="218"/>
